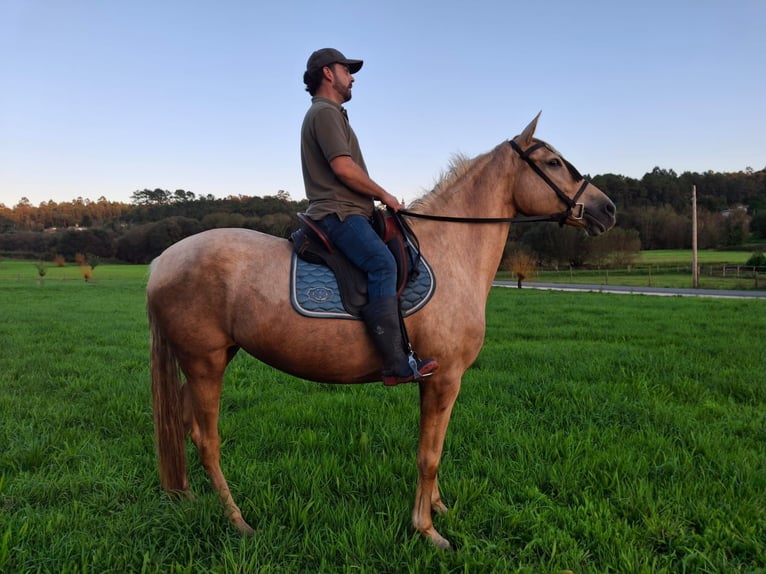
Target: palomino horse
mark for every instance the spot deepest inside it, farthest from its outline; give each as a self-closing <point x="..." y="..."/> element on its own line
<point x="225" y="289"/>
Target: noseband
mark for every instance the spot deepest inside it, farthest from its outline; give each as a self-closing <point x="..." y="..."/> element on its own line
<point x="575" y="209"/>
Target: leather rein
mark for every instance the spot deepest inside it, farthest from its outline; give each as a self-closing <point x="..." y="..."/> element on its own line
<point x="574" y="209"/>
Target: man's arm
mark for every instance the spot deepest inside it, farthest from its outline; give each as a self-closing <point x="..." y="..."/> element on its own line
<point x="352" y="175"/>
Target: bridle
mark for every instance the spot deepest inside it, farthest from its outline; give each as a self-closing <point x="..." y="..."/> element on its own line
<point x="574" y="209"/>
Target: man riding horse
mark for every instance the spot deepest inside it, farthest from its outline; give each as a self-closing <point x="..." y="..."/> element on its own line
<point x="341" y="201"/>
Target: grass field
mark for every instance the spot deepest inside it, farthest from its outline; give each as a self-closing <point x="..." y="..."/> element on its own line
<point x="684" y="257"/>
<point x="663" y="268"/>
<point x="595" y="433"/>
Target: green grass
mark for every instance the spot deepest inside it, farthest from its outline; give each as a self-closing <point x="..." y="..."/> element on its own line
<point x="596" y="433"/>
<point x="662" y="268"/>
<point x="651" y="277"/>
<point x="684" y="257"/>
<point x="21" y="270"/>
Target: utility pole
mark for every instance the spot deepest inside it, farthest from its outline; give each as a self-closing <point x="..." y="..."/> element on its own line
<point x="695" y="264"/>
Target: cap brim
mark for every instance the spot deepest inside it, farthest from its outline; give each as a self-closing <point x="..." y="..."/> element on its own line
<point x="353" y="65"/>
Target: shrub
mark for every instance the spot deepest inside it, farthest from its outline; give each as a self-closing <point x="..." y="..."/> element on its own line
<point x="757" y="259"/>
<point x="522" y="262"/>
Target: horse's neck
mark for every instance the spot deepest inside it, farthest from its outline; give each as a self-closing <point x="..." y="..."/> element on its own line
<point x="474" y="249"/>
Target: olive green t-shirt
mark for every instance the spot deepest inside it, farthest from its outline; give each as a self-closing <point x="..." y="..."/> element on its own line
<point x="325" y="135"/>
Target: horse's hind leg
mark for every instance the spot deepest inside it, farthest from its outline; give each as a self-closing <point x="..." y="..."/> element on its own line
<point x="202" y="398"/>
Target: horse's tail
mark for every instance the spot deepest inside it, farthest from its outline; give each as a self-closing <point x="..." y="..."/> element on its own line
<point x="167" y="405"/>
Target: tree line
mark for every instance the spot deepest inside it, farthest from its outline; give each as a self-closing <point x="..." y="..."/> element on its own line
<point x="654" y="212"/>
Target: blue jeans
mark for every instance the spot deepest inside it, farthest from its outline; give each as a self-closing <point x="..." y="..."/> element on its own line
<point x="357" y="240"/>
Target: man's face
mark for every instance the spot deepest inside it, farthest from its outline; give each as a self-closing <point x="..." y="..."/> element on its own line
<point x="342" y="81"/>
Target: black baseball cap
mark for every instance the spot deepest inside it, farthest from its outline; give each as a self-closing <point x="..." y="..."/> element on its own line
<point x="327" y="56"/>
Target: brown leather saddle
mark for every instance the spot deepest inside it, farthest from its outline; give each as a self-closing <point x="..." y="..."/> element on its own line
<point x="311" y="245"/>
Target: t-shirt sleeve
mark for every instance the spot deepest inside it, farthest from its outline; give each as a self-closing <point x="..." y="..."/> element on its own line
<point x="330" y="133"/>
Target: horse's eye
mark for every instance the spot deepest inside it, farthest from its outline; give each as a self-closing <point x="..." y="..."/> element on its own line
<point x="555" y="162"/>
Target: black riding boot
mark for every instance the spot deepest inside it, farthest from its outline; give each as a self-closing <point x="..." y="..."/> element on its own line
<point x="382" y="320"/>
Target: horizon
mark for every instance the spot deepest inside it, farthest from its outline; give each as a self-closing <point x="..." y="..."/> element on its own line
<point x="746" y="171"/>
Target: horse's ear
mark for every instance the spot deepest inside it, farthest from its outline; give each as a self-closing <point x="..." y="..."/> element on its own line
<point x="526" y="136"/>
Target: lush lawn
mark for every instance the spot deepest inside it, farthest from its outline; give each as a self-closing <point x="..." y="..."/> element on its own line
<point x="663" y="268"/>
<point x="596" y="433"/>
<point x="16" y="270"/>
<point x="684" y="257"/>
<point x="677" y="278"/>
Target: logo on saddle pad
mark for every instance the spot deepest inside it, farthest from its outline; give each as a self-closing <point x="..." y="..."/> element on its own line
<point x="319" y="294"/>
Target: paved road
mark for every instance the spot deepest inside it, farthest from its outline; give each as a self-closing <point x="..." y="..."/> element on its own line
<point x="728" y="294"/>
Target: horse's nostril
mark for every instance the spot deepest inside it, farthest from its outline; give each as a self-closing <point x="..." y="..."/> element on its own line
<point x="610" y="208"/>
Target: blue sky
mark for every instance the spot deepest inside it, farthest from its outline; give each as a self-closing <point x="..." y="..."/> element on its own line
<point x="103" y="98"/>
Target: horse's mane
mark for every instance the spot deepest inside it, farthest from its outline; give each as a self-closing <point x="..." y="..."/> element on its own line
<point x="460" y="169"/>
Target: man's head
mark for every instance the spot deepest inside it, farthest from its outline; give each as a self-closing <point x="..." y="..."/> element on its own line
<point x="327" y="63"/>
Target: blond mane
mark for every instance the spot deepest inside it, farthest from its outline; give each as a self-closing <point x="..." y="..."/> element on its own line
<point x="459" y="166"/>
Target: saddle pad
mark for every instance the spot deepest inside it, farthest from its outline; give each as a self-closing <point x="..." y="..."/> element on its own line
<point x="314" y="290"/>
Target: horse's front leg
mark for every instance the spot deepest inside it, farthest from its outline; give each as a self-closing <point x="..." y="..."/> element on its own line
<point x="437" y="397"/>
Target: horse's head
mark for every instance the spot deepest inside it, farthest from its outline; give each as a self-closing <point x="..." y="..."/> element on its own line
<point x="549" y="184"/>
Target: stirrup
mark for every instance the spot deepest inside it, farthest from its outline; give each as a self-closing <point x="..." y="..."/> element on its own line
<point x="413" y="362"/>
<point x="427" y="368"/>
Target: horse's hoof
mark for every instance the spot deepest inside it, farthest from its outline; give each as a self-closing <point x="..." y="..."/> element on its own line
<point x="243" y="527"/>
<point x="438" y="540"/>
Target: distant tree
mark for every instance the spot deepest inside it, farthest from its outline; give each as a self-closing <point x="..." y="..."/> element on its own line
<point x="42" y="270"/>
<point x="626" y="192"/>
<point x="143" y="243"/>
<point x="757" y="259"/>
<point x="98" y="242"/>
<point x="28" y="244"/>
<point x="155" y="196"/>
<point x="6" y="223"/>
<point x="736" y="227"/>
<point x="658" y="227"/>
<point x="131" y="246"/>
<point x="169" y="231"/>
<point x="522" y="262"/>
<point x="557" y="246"/>
<point x="221" y="219"/>
<point x="616" y="249"/>
<point x="662" y="188"/>
<point x="757" y="224"/>
<point x="279" y="224"/>
<point x="181" y="196"/>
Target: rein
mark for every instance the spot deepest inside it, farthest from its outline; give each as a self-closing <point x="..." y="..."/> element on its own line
<point x="574" y="209"/>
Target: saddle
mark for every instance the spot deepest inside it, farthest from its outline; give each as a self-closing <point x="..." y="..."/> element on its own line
<point x="320" y="272"/>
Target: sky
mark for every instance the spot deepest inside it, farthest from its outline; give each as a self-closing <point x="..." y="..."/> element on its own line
<point x="100" y="98"/>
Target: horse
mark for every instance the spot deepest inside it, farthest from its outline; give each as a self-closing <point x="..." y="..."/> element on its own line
<point x="222" y="290"/>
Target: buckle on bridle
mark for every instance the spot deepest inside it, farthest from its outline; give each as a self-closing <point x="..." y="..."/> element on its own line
<point x="578" y="211"/>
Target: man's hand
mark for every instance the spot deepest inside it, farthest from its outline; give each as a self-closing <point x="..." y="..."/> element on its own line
<point x="391" y="202"/>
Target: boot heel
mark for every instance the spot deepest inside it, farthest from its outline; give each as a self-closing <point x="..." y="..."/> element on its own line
<point x="425" y="368"/>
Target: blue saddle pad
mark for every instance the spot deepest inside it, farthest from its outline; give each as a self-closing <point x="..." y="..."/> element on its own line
<point x="314" y="290"/>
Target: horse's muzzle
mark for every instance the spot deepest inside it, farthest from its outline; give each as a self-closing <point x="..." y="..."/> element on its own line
<point x="601" y="217"/>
